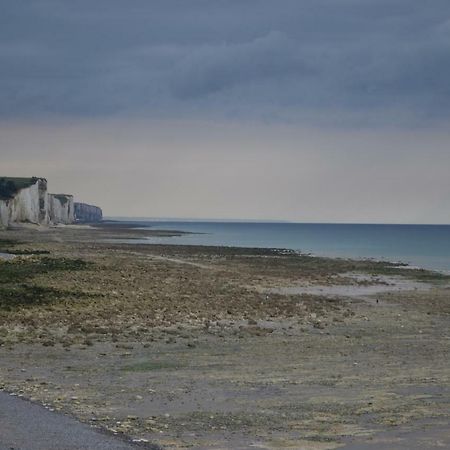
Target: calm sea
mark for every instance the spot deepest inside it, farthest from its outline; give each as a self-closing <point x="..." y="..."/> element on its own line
<point x="426" y="246"/>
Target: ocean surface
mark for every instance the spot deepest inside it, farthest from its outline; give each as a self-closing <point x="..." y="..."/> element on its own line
<point x="426" y="246"/>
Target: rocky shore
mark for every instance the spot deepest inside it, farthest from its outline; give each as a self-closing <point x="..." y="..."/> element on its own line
<point x="209" y="347"/>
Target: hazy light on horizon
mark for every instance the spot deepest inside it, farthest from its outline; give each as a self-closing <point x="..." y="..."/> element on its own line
<point x="199" y="169"/>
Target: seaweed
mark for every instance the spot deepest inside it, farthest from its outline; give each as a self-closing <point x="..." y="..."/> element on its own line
<point x="17" y="287"/>
<point x="31" y="295"/>
<point x="25" y="269"/>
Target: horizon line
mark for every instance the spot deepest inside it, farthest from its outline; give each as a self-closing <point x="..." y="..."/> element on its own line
<point x="273" y="221"/>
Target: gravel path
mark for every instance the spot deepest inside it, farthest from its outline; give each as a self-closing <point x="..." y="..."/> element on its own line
<point x="27" y="426"/>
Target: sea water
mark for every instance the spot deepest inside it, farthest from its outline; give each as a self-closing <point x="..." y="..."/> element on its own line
<point x="426" y="246"/>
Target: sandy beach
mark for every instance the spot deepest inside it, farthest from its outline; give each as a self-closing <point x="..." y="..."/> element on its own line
<point x="224" y="348"/>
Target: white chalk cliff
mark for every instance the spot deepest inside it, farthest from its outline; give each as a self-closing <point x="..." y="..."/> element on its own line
<point x="87" y="213"/>
<point x="26" y="200"/>
<point x="61" y="208"/>
<point x="28" y="205"/>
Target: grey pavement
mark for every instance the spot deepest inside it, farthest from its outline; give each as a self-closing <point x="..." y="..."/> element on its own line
<point x="27" y="426"/>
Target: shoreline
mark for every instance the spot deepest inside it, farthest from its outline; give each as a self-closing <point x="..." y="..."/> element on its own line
<point x="221" y="238"/>
<point x="132" y="232"/>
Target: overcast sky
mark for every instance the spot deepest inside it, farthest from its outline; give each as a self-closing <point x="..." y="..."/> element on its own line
<point x="306" y="110"/>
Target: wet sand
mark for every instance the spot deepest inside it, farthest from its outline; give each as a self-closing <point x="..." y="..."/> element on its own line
<point x="6" y="256"/>
<point x="364" y="287"/>
<point x="213" y="348"/>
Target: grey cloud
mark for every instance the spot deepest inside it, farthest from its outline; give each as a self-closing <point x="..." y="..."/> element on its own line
<point x="374" y="60"/>
<point x="214" y="68"/>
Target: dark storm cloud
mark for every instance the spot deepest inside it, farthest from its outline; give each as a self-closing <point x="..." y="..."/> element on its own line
<point x="215" y="68"/>
<point x="370" y="61"/>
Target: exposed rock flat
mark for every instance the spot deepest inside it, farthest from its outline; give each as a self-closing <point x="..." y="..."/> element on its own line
<point x="216" y="347"/>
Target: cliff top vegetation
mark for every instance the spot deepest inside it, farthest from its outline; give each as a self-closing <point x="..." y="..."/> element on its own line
<point x="63" y="198"/>
<point x="9" y="186"/>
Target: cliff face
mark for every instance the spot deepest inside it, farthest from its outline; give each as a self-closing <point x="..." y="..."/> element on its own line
<point x="4" y="214"/>
<point x="25" y="202"/>
<point x="87" y="213"/>
<point x="61" y="208"/>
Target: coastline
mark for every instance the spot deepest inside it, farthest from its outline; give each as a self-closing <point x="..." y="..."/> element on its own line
<point x="201" y="346"/>
<point x="417" y="245"/>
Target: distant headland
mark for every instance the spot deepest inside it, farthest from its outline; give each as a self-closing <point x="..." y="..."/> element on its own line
<point x="26" y="200"/>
